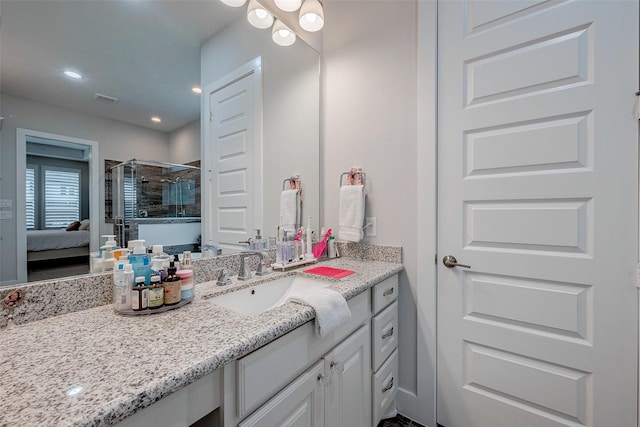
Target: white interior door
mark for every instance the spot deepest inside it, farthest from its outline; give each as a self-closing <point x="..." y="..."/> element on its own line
<point x="537" y="192"/>
<point x="233" y="190"/>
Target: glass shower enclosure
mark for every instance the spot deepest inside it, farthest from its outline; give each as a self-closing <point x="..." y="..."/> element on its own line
<point x="158" y="202"/>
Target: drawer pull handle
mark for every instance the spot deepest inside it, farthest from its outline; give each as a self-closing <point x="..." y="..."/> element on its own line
<point x="387" y="292"/>
<point x="388" y="386"/>
<point x="388" y="333"/>
<point x="337" y="367"/>
<point x="323" y="380"/>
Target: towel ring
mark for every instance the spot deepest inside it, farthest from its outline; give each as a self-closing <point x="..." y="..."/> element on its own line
<point x="354" y="177"/>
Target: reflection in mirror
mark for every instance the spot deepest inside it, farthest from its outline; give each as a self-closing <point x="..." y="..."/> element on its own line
<point x="138" y="59"/>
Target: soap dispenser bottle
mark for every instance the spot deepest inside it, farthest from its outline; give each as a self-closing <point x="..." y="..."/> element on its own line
<point x="258" y="243"/>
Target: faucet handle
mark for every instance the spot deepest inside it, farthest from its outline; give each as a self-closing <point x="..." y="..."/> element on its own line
<point x="262" y="268"/>
<point x="223" y="278"/>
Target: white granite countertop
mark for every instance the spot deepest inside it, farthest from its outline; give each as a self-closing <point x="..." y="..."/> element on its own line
<point x="125" y="363"/>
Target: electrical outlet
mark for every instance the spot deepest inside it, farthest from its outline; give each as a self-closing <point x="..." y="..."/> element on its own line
<point x="6" y="203"/>
<point x="372" y="228"/>
<point x="5" y="215"/>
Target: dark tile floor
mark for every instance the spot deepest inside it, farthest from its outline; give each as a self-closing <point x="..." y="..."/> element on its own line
<point x="399" y="421"/>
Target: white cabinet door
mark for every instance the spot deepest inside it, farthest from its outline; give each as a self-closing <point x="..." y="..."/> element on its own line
<point x="348" y="394"/>
<point x="300" y="404"/>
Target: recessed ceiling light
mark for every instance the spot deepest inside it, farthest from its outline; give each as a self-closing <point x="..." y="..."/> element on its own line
<point x="156" y="119"/>
<point x="196" y="89"/>
<point x="72" y="74"/>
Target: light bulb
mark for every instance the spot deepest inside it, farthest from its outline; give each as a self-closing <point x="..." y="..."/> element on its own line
<point x="288" y="5"/>
<point x="311" y="16"/>
<point x="282" y="35"/>
<point x="258" y="16"/>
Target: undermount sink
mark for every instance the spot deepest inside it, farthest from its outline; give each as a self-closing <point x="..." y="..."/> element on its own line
<point x="265" y="296"/>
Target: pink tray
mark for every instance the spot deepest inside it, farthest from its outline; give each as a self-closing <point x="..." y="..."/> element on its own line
<point x="335" y="273"/>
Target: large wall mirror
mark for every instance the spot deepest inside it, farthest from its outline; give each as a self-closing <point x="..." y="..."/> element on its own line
<point x="139" y="59"/>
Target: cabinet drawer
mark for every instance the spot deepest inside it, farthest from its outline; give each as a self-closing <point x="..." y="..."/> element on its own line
<point x="384" y="335"/>
<point x="385" y="387"/>
<point x="265" y="371"/>
<point x="384" y="293"/>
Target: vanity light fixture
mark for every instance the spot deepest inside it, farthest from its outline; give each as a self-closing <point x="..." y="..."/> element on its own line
<point x="311" y="16"/>
<point x="196" y="89"/>
<point x="282" y="35"/>
<point x="258" y="16"/>
<point x="234" y="3"/>
<point x="288" y="5"/>
<point x="73" y="74"/>
<point x="156" y="119"/>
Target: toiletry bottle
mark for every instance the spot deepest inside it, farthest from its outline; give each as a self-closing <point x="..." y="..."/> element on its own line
<point x="129" y="276"/>
<point x="107" y="259"/>
<point x="176" y="261"/>
<point x="156" y="293"/>
<point x="158" y="261"/>
<point x="121" y="289"/>
<point x="110" y="243"/>
<point x="187" y="261"/>
<point x="309" y="253"/>
<point x="172" y="289"/>
<point x="258" y="243"/>
<point x="331" y="247"/>
<point x="139" y="295"/>
<point x="141" y="261"/>
<point x="186" y="284"/>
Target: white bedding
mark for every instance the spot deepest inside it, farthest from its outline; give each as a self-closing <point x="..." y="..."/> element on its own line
<point x="43" y="240"/>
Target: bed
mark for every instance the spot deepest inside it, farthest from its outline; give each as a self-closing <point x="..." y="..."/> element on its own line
<point x="57" y="244"/>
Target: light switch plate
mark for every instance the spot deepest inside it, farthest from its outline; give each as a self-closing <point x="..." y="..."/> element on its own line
<point x="5" y="215"/>
<point x="6" y="203"/>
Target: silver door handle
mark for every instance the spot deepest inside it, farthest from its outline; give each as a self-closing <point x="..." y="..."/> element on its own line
<point x="450" y="261"/>
<point x="388" y="386"/>
<point x="388" y="333"/>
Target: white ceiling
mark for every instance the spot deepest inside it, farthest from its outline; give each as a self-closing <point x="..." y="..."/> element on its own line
<point x="146" y="53"/>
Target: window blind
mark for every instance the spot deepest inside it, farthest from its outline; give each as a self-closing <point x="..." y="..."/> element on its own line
<point x="61" y="197"/>
<point x="31" y="198"/>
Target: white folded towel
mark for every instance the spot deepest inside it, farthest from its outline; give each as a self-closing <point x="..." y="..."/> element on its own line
<point x="289" y="201"/>
<point x="332" y="310"/>
<point x="351" y="213"/>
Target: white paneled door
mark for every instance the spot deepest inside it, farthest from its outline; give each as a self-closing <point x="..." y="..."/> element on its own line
<point x="537" y="192"/>
<point x="232" y="166"/>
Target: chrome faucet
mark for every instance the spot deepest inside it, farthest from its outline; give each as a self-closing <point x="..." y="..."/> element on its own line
<point x="245" y="270"/>
<point x="205" y="249"/>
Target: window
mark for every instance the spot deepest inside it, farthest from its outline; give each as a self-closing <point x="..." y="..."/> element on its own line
<point x="61" y="197"/>
<point x="31" y="197"/>
<point x="130" y="198"/>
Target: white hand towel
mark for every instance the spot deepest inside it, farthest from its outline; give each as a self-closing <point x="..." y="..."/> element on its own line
<point x="351" y="213"/>
<point x="289" y="209"/>
<point x="331" y="308"/>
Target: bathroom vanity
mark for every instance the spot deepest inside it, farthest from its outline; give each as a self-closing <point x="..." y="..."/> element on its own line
<point x="94" y="367"/>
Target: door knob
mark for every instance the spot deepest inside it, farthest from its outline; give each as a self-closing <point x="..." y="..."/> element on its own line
<point x="450" y="261"/>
